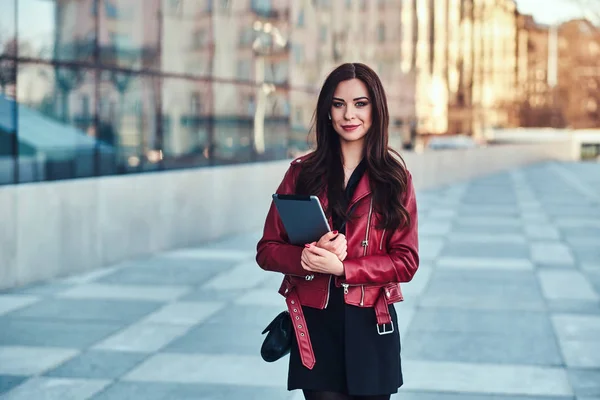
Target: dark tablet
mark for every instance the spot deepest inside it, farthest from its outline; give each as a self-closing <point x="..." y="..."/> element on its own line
<point x="302" y="217"/>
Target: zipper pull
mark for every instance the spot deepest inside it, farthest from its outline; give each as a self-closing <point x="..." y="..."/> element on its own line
<point x="364" y="243"/>
<point x="345" y="286"/>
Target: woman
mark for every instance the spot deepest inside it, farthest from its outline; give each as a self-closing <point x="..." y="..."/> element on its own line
<point x="340" y="290"/>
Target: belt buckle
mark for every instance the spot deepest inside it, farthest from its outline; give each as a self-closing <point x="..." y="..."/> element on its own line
<point x="383" y="330"/>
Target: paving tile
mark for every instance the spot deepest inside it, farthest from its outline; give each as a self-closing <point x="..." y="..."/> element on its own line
<point x="231" y="254"/>
<point x="574" y="306"/>
<point x="16" y="360"/>
<point x="125" y="292"/>
<point x="541" y="231"/>
<point x="486" y="378"/>
<point x="434" y="228"/>
<point x="551" y="253"/>
<point x="243" y="276"/>
<point x="218" y="339"/>
<point x="534" y="218"/>
<point x="430" y="248"/>
<point x="97" y="364"/>
<point x="179" y="391"/>
<point x="405" y="313"/>
<point x="168" y="271"/>
<point x="213" y="295"/>
<point x="88" y="277"/>
<point x="41" y="289"/>
<point x="500" y="238"/>
<point x="274" y="280"/>
<point x="7" y="382"/>
<point x="264" y="297"/>
<point x="440" y="213"/>
<point x="10" y="303"/>
<point x="529" y="324"/>
<point x="561" y="284"/>
<point x="246" y="316"/>
<point x="485" y="263"/>
<point x="142" y="337"/>
<point x="412" y="290"/>
<point x="490" y="348"/>
<point x="87" y="309"/>
<point x="483" y="289"/>
<point x="586" y="254"/>
<point x="183" y="313"/>
<point x="56" y="389"/>
<point x="459" y="227"/>
<point x="487" y="210"/>
<point x="585" y="382"/>
<point x="53" y="333"/>
<point x="497" y="251"/>
<point x="576" y="327"/>
<point x="581" y="353"/>
<point x="213" y="369"/>
<point x="490" y="221"/>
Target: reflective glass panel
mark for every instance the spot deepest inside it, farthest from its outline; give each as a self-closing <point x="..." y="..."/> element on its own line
<point x="55" y="122"/>
<point x="62" y="30"/>
<point x="129" y="32"/>
<point x="187" y="123"/>
<point x="128" y="105"/>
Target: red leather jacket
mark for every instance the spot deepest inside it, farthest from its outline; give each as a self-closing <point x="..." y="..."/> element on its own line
<point x="377" y="260"/>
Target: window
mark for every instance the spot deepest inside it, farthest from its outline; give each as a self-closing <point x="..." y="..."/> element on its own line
<point x="300" y="21"/>
<point x="246" y="36"/>
<point x="195" y="104"/>
<point x="244" y="70"/>
<point x="381" y="33"/>
<point x="199" y="39"/>
<point x="323" y="33"/>
<point x="298" y="53"/>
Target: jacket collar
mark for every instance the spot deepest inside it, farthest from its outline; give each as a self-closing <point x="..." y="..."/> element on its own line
<point x="363" y="189"/>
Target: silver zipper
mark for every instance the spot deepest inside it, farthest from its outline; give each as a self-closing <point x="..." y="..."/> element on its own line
<point x="346" y="286"/>
<point x="309" y="277"/>
<point x="381" y="244"/>
<point x="365" y="243"/>
<point x="328" y="290"/>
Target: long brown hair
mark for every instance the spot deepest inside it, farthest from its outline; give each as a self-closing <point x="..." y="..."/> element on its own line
<point x="323" y="169"/>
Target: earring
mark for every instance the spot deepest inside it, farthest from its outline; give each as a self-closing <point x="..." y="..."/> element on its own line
<point x="329" y="116"/>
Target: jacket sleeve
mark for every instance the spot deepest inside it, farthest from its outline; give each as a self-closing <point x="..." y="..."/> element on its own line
<point x="274" y="252"/>
<point x="402" y="260"/>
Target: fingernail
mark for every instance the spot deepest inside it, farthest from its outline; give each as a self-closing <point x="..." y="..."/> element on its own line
<point x="307" y="245"/>
<point x="335" y="232"/>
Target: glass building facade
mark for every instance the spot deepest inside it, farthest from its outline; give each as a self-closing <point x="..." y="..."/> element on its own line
<point x="103" y="87"/>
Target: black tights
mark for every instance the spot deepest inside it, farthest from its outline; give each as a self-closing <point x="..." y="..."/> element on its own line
<point x="311" y="395"/>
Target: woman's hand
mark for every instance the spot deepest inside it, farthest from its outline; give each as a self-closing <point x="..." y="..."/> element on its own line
<point x="316" y="259"/>
<point x="334" y="242"/>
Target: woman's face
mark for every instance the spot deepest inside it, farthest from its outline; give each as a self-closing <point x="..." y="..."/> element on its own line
<point x="351" y="110"/>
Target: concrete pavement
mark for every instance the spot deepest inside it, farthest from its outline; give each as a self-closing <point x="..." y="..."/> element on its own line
<point x="505" y="306"/>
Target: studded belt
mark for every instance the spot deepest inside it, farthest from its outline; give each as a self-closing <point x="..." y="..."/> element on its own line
<point x="302" y="337"/>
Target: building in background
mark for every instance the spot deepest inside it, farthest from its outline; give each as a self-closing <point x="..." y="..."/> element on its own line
<point x="578" y="74"/>
<point x="159" y="84"/>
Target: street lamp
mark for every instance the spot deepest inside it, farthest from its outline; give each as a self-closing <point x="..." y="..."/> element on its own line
<point x="263" y="48"/>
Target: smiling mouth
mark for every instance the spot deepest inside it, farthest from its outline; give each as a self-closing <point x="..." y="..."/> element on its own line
<point x="349" y="127"/>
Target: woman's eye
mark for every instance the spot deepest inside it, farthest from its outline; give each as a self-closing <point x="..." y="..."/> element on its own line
<point x="338" y="104"/>
<point x="361" y="104"/>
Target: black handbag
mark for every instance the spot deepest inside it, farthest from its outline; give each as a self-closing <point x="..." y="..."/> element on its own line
<point x="279" y="339"/>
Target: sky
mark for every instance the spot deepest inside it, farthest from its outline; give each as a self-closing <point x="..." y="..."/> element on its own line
<point x="551" y="11"/>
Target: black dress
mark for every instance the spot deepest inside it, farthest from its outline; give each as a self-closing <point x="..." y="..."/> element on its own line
<point x="351" y="357"/>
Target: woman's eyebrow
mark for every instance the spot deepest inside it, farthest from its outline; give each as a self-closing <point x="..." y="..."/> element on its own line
<point x="356" y="99"/>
